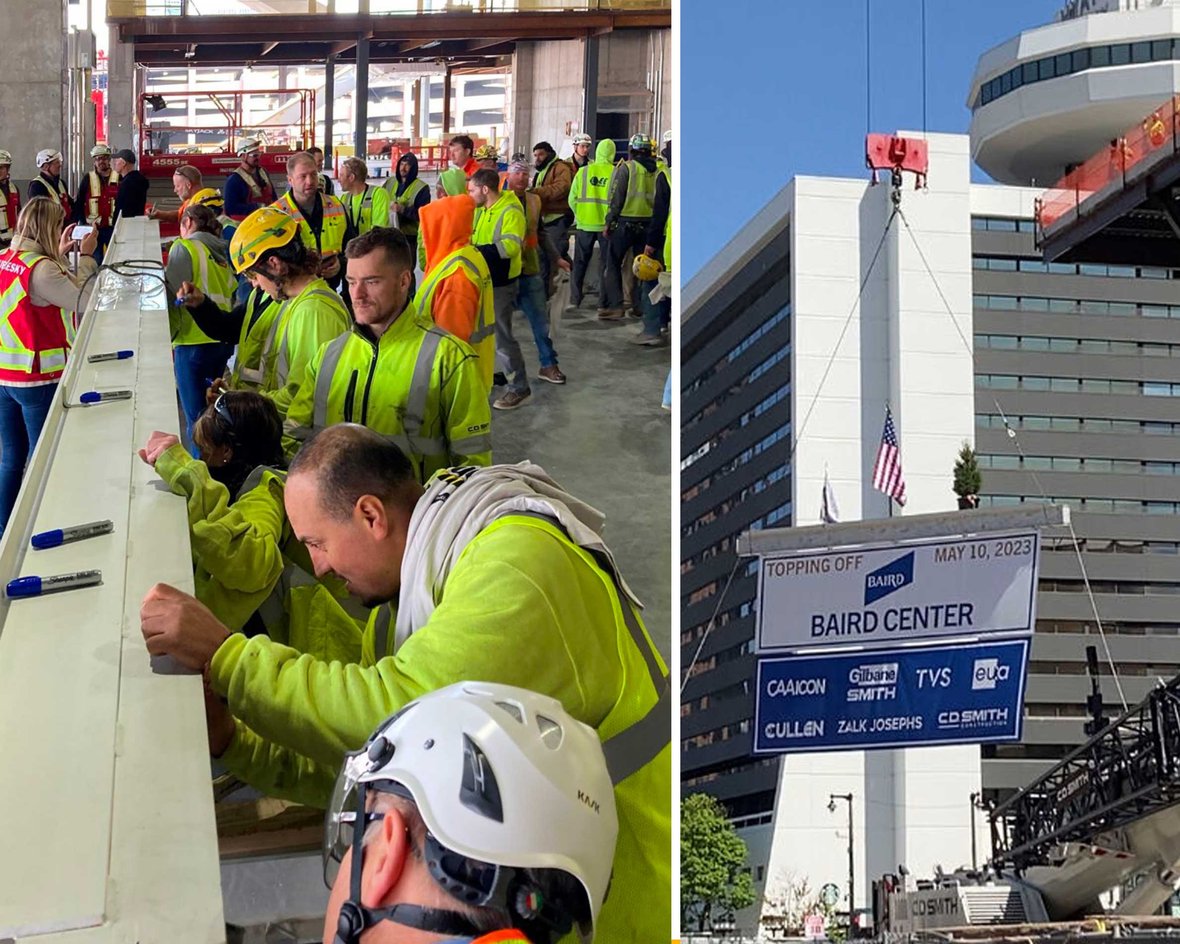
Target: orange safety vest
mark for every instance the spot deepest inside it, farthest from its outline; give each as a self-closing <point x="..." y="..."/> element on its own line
<point x="100" y="207"/>
<point x="34" y="339"/>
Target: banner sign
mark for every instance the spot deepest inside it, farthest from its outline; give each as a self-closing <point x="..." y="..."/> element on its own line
<point x="964" y="694"/>
<point x="935" y="589"/>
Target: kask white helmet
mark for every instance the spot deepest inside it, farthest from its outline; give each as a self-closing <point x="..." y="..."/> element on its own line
<point x="513" y="791"/>
<point x="47" y="156"/>
<point x="100" y="150"/>
<point x="246" y="145"/>
<point x="5" y="157"/>
<point x="582" y="139"/>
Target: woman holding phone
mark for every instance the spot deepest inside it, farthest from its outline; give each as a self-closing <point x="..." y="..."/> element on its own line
<point x="39" y="305"/>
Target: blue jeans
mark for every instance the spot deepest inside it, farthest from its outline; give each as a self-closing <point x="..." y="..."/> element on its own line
<point x="22" y="414"/>
<point x="195" y="365"/>
<point x="530" y="298"/>
<point x="654" y="316"/>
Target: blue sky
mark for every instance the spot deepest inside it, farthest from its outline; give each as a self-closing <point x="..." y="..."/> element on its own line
<point x="775" y="88"/>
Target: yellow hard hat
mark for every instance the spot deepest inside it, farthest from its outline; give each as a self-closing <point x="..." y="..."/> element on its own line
<point x="487" y="152"/>
<point x="207" y="198"/>
<point x="263" y="230"/>
<point x="646" y="268"/>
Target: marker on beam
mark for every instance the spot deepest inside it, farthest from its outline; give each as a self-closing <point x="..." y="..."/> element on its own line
<point x="109" y="356"/>
<point x="91" y="397"/>
<point x="80" y="532"/>
<point x="35" y="586"/>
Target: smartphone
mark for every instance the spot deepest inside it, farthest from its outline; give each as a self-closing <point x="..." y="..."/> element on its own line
<point x="81" y="232"/>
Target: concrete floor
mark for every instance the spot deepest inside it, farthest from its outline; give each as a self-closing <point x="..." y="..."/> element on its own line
<point x="604" y="437"/>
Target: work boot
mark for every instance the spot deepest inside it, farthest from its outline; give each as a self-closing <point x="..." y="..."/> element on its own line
<point x="610" y="314"/>
<point x="649" y="340"/>
<point x="552" y="374"/>
<point x="512" y="399"/>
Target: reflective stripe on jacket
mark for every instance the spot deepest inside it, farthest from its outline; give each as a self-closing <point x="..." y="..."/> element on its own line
<point x="502" y="225"/>
<point x="100" y="205"/>
<point x="417" y="385"/>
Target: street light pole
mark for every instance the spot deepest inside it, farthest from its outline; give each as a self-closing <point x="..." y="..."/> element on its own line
<point x="975" y="798"/>
<point x="847" y="798"/>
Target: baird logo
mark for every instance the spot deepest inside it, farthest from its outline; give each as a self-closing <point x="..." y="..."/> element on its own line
<point x="893" y="576"/>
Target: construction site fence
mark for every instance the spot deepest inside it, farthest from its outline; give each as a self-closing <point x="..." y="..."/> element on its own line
<point x="1124" y="159"/>
<point x="125" y="9"/>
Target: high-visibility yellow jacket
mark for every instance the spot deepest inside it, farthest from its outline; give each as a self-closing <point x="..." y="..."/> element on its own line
<point x="554" y="623"/>
<point x="417" y="385"/>
<point x="365" y="210"/>
<point x="590" y="191"/>
<point x="246" y="560"/>
<point x="275" y="349"/>
<point x="329" y="240"/>
<point x="211" y="274"/>
<point x="502" y="225"/>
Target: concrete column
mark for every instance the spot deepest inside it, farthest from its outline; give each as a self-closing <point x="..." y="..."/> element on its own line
<point x="33" y="51"/>
<point x="590" y="86"/>
<point x="424" y="108"/>
<point x="329" y="101"/>
<point x="121" y="104"/>
<point x="362" y="97"/>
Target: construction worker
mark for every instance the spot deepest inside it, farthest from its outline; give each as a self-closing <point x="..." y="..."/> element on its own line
<point x="97" y="195"/>
<point x="558" y="618"/>
<point x="530" y="289"/>
<point x="131" y="199"/>
<point x="456" y="293"/>
<point x="499" y="233"/>
<point x="488" y="157"/>
<point x="536" y="821"/>
<point x="320" y="216"/>
<point x="186" y="180"/>
<point x="200" y="258"/>
<point x="461" y="148"/>
<point x="208" y="197"/>
<point x="365" y="206"/>
<point x="248" y="188"/>
<point x="581" y="156"/>
<point x="324" y="182"/>
<point x="290" y="314"/>
<point x="656" y="315"/>
<point x="588" y="200"/>
<point x="408" y="194"/>
<point x="395" y="371"/>
<point x="48" y="182"/>
<point x="249" y="569"/>
<point x="632" y="195"/>
<point x="37" y="322"/>
<point x="9" y="201"/>
<point x="552" y="184"/>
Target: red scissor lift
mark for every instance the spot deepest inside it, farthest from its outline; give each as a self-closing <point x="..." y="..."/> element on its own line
<point x="164" y="141"/>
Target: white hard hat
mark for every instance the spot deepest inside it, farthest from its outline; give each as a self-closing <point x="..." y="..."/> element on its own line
<point x="5" y="158"/>
<point x="583" y="139"/>
<point x="47" y="156"/>
<point x="667" y="135"/>
<point x="505" y="780"/>
<point x="100" y="150"/>
<point x="246" y="145"/>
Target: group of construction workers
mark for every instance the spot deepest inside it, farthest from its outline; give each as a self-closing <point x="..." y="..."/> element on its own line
<point x="439" y="651"/>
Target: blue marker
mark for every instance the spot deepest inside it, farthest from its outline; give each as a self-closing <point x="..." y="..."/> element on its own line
<point x="80" y="532"/>
<point x="109" y="356"/>
<point x="35" y="586"/>
<point x="102" y="396"/>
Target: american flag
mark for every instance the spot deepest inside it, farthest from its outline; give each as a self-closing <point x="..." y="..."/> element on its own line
<point x="887" y="475"/>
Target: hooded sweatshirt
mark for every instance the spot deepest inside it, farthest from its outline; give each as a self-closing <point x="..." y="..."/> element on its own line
<point x="446" y="226"/>
<point x="407" y="213"/>
<point x="601" y="168"/>
<point x="454" y="184"/>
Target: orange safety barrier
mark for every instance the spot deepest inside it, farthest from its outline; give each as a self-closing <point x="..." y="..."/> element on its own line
<point x="1115" y="164"/>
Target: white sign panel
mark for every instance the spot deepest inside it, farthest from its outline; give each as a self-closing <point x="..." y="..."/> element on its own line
<point x="936" y="589"/>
